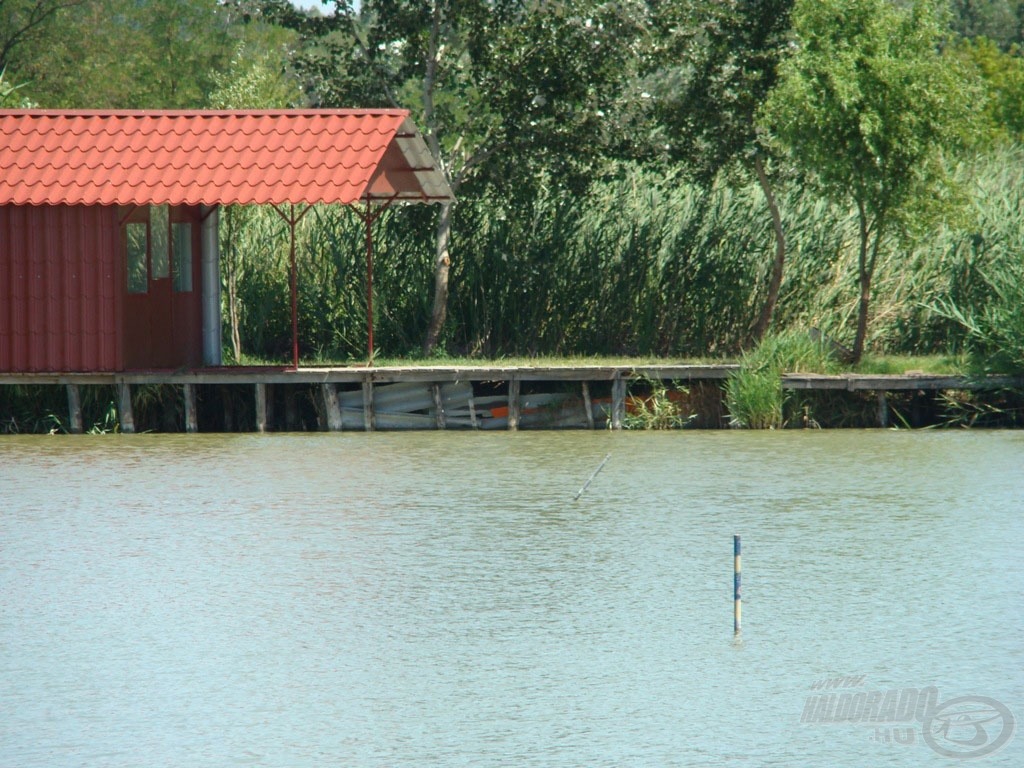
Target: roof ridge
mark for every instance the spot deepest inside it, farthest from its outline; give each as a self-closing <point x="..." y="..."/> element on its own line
<point x="318" y="111"/>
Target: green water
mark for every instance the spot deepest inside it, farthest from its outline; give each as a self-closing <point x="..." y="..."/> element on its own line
<point x="436" y="599"/>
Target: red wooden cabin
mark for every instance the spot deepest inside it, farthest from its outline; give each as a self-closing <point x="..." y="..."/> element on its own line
<point x="108" y="220"/>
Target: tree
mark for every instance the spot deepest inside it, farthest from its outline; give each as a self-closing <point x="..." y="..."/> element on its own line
<point x="499" y="87"/>
<point x="726" y="66"/>
<point x="997" y="20"/>
<point x="22" y="22"/>
<point x="868" y="105"/>
<point x="124" y="53"/>
<point x="1002" y="77"/>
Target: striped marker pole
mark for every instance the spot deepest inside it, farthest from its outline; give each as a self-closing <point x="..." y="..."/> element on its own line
<point x="737" y="600"/>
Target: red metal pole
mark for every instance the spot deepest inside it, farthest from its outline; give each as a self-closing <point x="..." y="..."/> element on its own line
<point x="369" y="283"/>
<point x="295" y="293"/>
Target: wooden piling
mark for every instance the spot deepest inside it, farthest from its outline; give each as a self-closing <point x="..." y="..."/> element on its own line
<point x="331" y="407"/>
<point x="883" y="410"/>
<point x="229" y="410"/>
<point x="191" y="419"/>
<point x="513" y="403"/>
<point x="74" y="410"/>
<point x="435" y="391"/>
<point x="369" y="417"/>
<point x="291" y="409"/>
<point x="124" y="407"/>
<point x="261" y="407"/>
<point x="618" y="400"/>
<point x="588" y="405"/>
<point x="472" y="414"/>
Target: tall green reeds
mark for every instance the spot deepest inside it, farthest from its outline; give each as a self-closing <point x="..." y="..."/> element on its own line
<point x="754" y="394"/>
<point x="643" y="263"/>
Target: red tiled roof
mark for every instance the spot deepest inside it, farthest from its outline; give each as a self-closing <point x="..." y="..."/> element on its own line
<point x="205" y="157"/>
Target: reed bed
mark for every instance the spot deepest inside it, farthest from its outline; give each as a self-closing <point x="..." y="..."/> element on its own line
<point x="642" y="264"/>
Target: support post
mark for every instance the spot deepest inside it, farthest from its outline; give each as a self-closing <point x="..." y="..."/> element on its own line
<point x="191" y="419"/>
<point x="883" y="410"/>
<point x="261" y="407"/>
<point x="368" y="219"/>
<point x="472" y="414"/>
<point x="435" y="391"/>
<point x="331" y="407"/>
<point x="513" y="403"/>
<point x="210" y="285"/>
<point x="369" y="417"/>
<point x="291" y="409"/>
<point x="229" y="409"/>
<point x="737" y="602"/>
<point x="618" y="400"/>
<point x="588" y="405"/>
<point x="124" y="407"/>
<point x="74" y="410"/>
<point x="294" y="292"/>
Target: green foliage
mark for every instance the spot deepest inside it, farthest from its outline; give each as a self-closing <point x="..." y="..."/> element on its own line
<point x="661" y="408"/>
<point x="165" y="54"/>
<point x="995" y="330"/>
<point x="715" y="64"/>
<point x="645" y="264"/>
<point x="1001" y="21"/>
<point x="254" y="79"/>
<point x="1002" y="77"/>
<point x="9" y="96"/>
<point x="754" y="394"/>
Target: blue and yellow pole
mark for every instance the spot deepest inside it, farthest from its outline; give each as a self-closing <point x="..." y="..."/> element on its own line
<point x="737" y="601"/>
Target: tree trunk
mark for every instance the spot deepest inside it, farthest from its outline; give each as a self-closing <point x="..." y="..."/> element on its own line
<point x="442" y="265"/>
<point x="775" y="282"/>
<point x="865" y="268"/>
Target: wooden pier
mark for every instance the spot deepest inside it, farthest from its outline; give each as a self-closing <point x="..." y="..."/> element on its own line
<point x="434" y="397"/>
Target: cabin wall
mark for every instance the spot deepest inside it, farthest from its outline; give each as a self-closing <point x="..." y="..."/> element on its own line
<point x="60" y="288"/>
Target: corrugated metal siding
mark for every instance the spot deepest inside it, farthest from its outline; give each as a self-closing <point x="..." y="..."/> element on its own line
<point x="59" y="288"/>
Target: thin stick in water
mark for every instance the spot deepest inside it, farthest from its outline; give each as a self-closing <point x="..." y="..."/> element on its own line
<point x="737" y="601"/>
<point x="591" y="479"/>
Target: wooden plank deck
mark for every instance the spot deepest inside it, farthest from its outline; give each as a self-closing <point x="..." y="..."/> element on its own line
<point x="359" y="374"/>
<point x="358" y="387"/>
<point x="853" y="382"/>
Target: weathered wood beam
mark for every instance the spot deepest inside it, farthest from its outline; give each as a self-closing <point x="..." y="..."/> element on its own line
<point x="513" y="403"/>
<point x="124" y="407"/>
<point x="75" y="426"/>
<point x="588" y="405"/>
<point x="261" y="407"/>
<point x="618" y="401"/>
<point x="435" y="391"/>
<point x="332" y="407"/>
<point x="369" y="416"/>
<point x="191" y="418"/>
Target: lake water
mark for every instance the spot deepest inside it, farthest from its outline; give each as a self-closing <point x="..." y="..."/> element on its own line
<point x="434" y="599"/>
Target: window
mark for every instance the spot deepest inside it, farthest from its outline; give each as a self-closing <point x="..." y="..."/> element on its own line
<point x="138" y="273"/>
<point x="181" y="256"/>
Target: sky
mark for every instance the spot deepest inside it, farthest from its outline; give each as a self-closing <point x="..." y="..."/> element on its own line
<point x="324" y="9"/>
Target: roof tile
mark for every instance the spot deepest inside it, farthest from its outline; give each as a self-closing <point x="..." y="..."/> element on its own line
<point x="147" y="157"/>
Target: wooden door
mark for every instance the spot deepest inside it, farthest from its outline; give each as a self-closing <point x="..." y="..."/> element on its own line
<point x="162" y="328"/>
